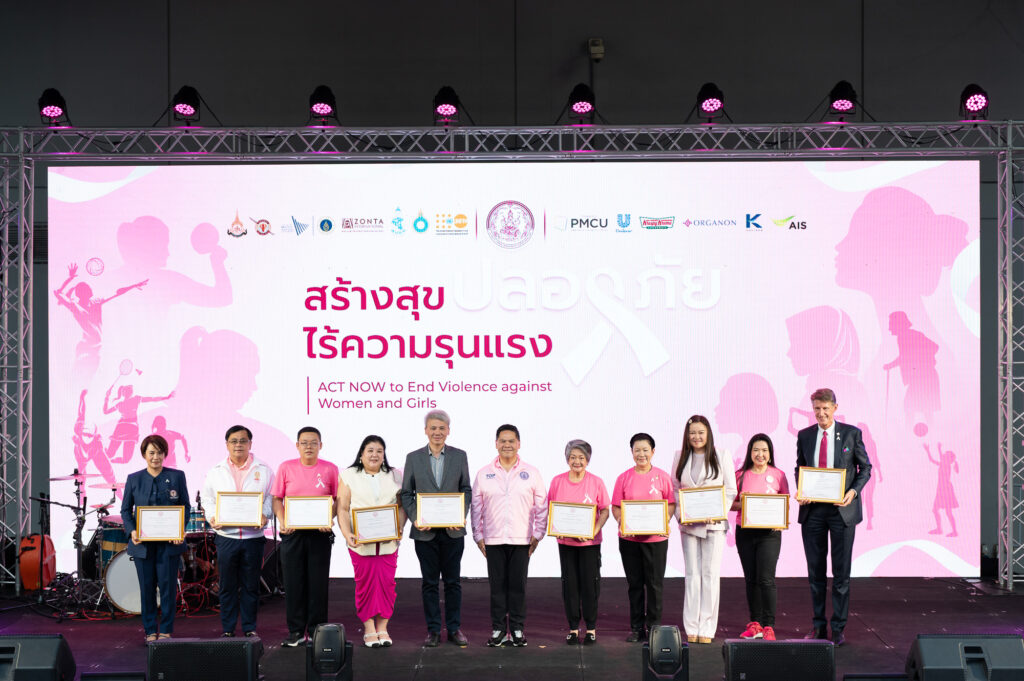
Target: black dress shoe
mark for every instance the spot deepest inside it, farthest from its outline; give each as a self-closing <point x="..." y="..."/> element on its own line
<point x="590" y="638"/>
<point x="458" y="638"/>
<point x="573" y="639"/>
<point x="817" y="634"/>
<point x="432" y="640"/>
<point x="838" y="639"/>
<point x="635" y="636"/>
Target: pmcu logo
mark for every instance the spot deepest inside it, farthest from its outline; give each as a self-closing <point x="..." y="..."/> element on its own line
<point x="588" y="223"/>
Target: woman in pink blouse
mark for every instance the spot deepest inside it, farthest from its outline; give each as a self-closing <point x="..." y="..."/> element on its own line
<point x="759" y="548"/>
<point x="581" y="558"/>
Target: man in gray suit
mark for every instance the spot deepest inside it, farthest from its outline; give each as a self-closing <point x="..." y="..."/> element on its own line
<point x="438" y="468"/>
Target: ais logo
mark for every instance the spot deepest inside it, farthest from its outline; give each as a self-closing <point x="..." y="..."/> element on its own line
<point x="790" y="223"/>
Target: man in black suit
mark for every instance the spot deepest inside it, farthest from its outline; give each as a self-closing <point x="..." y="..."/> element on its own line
<point x="831" y="445"/>
<point x="438" y="468"/>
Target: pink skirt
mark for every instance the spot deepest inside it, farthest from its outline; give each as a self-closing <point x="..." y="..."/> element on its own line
<point x="375" y="585"/>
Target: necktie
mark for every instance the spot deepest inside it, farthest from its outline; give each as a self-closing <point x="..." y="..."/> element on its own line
<point x="823" y="451"/>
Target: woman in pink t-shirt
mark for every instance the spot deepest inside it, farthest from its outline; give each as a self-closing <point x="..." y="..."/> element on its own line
<point x="643" y="555"/>
<point x="580" y="558"/>
<point x="759" y="548"/>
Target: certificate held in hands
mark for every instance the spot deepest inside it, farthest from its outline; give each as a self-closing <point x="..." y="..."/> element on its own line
<point x="160" y="523"/>
<point x="308" y="513"/>
<point x="373" y="524"/>
<point x="826" y="485"/>
<point x="765" y="511"/>
<point x="702" y="504"/>
<point x="239" y="509"/>
<point x="643" y="517"/>
<point x="441" y="509"/>
<point x="575" y="521"/>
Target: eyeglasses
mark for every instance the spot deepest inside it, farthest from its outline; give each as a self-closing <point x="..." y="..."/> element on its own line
<point x="238" y="442"/>
<point x="312" y="443"/>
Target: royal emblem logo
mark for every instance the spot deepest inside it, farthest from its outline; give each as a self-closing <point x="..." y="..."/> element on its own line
<point x="326" y="225"/>
<point x="237" y="229"/>
<point x="510" y="224"/>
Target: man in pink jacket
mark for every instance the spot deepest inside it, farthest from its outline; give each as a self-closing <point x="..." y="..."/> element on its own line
<point x="509" y="515"/>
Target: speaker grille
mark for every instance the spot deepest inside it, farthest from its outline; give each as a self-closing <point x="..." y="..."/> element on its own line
<point x="779" y="660"/>
<point x="196" y="659"/>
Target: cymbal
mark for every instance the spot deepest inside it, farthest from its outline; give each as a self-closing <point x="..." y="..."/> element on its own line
<point x="100" y="505"/>
<point x="79" y="476"/>
<point x="107" y="485"/>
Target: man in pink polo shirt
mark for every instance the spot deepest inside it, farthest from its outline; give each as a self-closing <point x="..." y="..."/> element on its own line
<point x="305" y="554"/>
<point x="509" y="514"/>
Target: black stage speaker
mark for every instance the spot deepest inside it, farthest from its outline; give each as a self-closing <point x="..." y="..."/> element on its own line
<point x="36" y="658"/>
<point x="966" y="657"/>
<point x="874" y="677"/>
<point x="197" y="659"/>
<point x="113" y="676"/>
<point x="665" y="656"/>
<point x="329" y="655"/>
<point x="758" y="660"/>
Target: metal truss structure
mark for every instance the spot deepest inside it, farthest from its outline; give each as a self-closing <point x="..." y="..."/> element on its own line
<point x="22" y="148"/>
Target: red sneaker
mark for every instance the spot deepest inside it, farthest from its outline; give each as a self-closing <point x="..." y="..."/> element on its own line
<point x="753" y="631"/>
<point x="769" y="634"/>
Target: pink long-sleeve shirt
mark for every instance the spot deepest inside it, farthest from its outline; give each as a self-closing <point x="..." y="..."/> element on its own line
<point x="509" y="507"/>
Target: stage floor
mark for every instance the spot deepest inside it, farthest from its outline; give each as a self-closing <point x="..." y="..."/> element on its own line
<point x="886" y="615"/>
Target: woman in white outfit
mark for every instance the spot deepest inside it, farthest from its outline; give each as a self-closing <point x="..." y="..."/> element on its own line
<point x="701" y="465"/>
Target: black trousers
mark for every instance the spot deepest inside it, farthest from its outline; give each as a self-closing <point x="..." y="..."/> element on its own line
<point x="759" y="554"/>
<point x="644" y="564"/>
<point x="306" y="562"/>
<point x="507" y="565"/>
<point x="823" y="524"/>
<point x="238" y="565"/>
<point x="441" y="559"/>
<point x="581" y="583"/>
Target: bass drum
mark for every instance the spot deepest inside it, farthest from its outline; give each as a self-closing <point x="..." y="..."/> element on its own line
<point x="122" y="584"/>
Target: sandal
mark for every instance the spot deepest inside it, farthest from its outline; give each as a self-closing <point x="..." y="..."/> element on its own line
<point x="371" y="640"/>
<point x="384" y="638"/>
<point x="150" y="638"/>
<point x="163" y="637"/>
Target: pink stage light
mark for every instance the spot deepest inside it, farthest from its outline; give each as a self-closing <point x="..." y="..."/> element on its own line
<point x="582" y="107"/>
<point x="52" y="107"/>
<point x="52" y="111"/>
<point x="446" y="110"/>
<point x="322" y="109"/>
<point x="976" y="103"/>
<point x="185" y="109"/>
<point x="842" y="105"/>
<point x="711" y="105"/>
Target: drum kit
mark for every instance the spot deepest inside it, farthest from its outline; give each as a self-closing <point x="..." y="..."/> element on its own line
<point x="105" y="580"/>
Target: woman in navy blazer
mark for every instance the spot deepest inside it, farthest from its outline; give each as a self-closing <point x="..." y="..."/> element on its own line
<point x="156" y="562"/>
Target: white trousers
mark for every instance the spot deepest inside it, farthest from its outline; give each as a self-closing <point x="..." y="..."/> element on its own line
<point x="703" y="561"/>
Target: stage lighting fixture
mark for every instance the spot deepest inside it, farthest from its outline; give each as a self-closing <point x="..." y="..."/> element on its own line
<point x="974" y="103"/>
<point x="582" y="106"/>
<point x="52" y="108"/>
<point x="446" y="106"/>
<point x="186" y="104"/>
<point x="710" y="101"/>
<point x="323" y="105"/>
<point x="842" y="100"/>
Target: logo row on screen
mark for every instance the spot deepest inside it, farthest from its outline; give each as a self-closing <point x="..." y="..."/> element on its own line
<point x="509" y="224"/>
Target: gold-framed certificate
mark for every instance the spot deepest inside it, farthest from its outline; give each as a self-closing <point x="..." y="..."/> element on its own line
<point x="827" y="485"/>
<point x="702" y="504"/>
<point x="643" y="517"/>
<point x="375" y="523"/>
<point x="764" y="511"/>
<point x="441" y="509"/>
<point x="576" y="521"/>
<point x="160" y="523"/>
<point x="308" y="513"/>
<point x="239" y="509"/>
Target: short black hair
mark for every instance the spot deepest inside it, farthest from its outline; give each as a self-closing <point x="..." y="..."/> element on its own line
<point x="308" y="429"/>
<point x="506" y="426"/>
<point x="235" y="429"/>
<point x="641" y="436"/>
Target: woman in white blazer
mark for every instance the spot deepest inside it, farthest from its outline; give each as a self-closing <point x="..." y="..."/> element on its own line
<point x="701" y="465"/>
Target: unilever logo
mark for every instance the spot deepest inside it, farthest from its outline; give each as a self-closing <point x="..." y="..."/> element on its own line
<point x="623" y="220"/>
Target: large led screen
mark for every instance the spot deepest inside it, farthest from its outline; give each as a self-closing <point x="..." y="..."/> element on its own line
<point x="575" y="300"/>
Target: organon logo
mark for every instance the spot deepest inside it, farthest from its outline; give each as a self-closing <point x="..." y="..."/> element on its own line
<point x="510" y="224"/>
